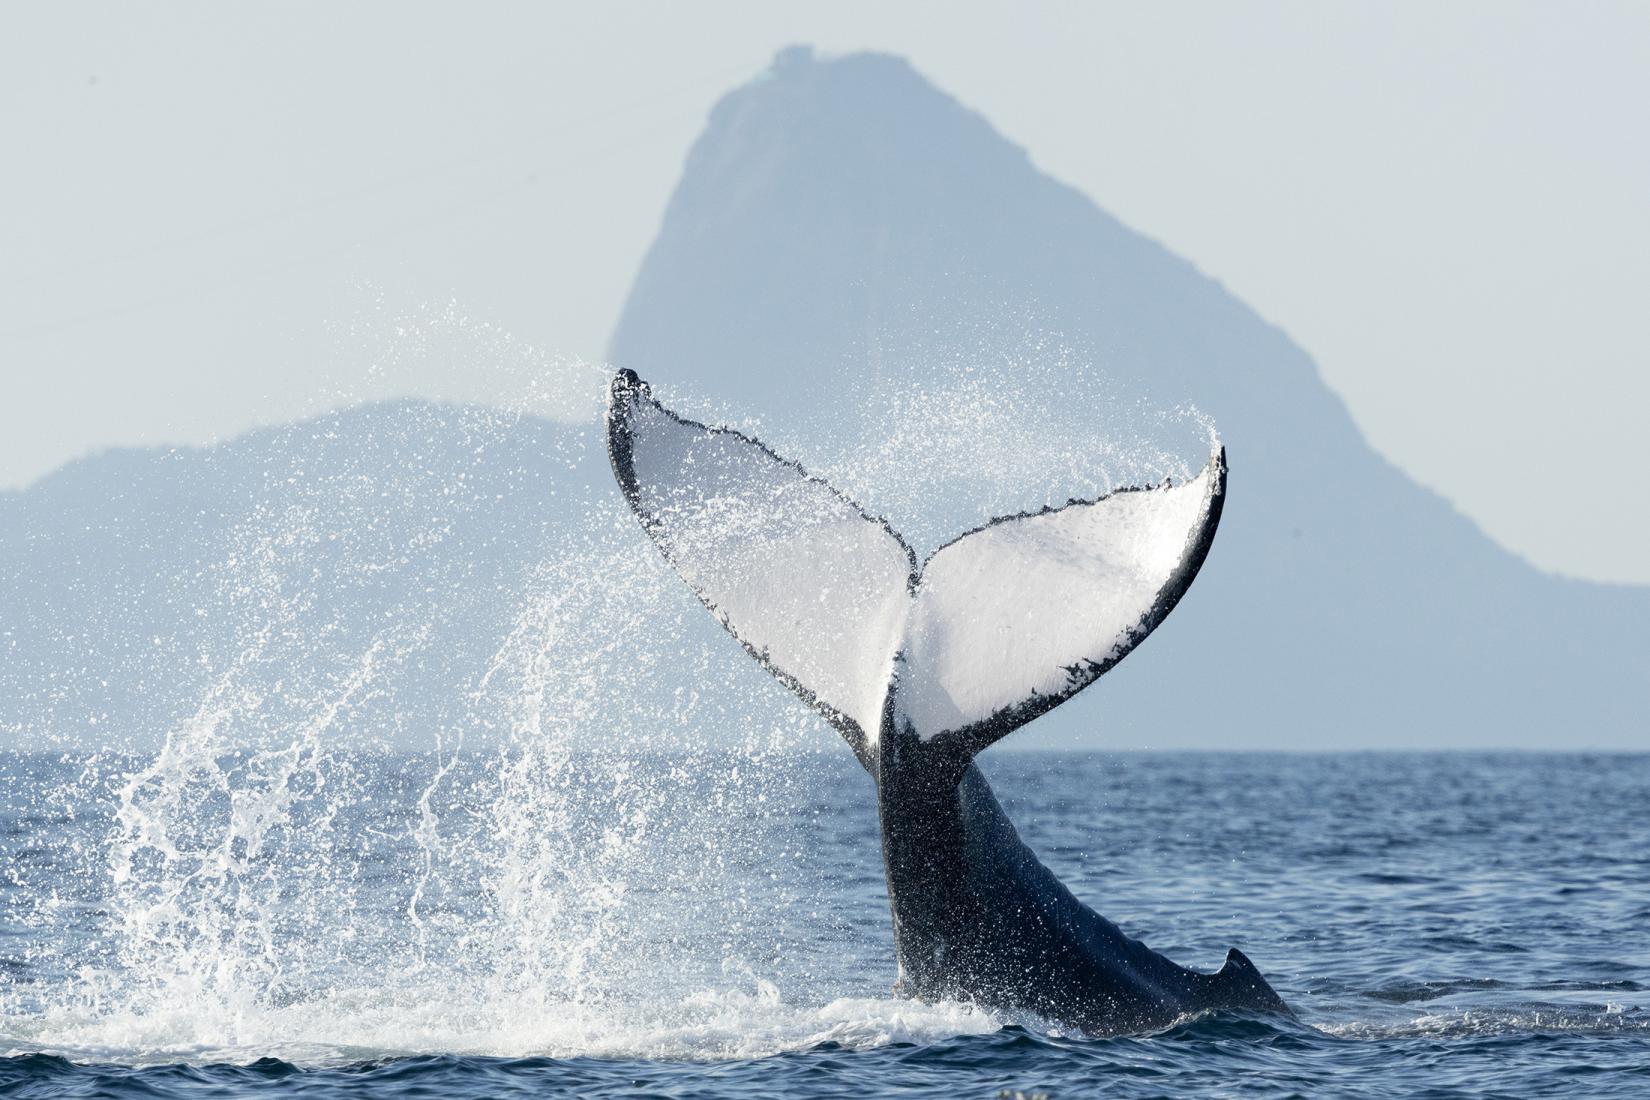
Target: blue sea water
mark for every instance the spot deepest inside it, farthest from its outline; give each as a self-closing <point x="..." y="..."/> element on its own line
<point x="602" y="922"/>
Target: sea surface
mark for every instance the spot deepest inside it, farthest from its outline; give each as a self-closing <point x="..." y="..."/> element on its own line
<point x="299" y="920"/>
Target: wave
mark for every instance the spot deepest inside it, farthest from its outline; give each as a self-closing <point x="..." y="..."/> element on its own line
<point x="366" y="1025"/>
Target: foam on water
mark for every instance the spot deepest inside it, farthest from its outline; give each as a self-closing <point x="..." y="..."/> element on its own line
<point x="354" y="1025"/>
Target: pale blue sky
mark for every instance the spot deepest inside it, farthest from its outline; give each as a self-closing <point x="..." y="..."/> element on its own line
<point x="215" y="216"/>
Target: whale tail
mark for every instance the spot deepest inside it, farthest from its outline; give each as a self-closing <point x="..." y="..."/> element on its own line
<point x="1239" y="984"/>
<point x="995" y="628"/>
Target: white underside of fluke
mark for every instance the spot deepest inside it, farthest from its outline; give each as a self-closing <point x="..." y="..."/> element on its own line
<point x="1011" y="610"/>
<point x="794" y="570"/>
<point x="1006" y="619"/>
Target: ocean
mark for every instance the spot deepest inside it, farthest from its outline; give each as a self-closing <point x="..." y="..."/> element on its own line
<point x="301" y="920"/>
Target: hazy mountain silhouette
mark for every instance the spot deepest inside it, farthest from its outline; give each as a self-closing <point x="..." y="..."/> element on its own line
<point x="842" y="225"/>
<point x="136" y="583"/>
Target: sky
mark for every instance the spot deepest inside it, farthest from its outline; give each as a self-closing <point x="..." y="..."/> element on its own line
<point x="217" y="216"/>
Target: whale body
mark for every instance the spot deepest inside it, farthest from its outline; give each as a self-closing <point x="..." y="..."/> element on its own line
<point x="921" y="667"/>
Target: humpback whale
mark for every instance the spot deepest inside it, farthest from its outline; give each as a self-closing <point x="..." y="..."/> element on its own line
<point x="922" y="666"/>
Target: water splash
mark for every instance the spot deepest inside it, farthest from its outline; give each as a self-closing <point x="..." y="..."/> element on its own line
<point x="445" y="748"/>
<point x="941" y="449"/>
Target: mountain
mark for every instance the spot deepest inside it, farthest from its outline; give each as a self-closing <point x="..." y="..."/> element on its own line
<point x="370" y="560"/>
<point x="844" y="233"/>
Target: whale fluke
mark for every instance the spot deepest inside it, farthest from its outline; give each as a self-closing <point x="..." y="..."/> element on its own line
<point x="995" y="628"/>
